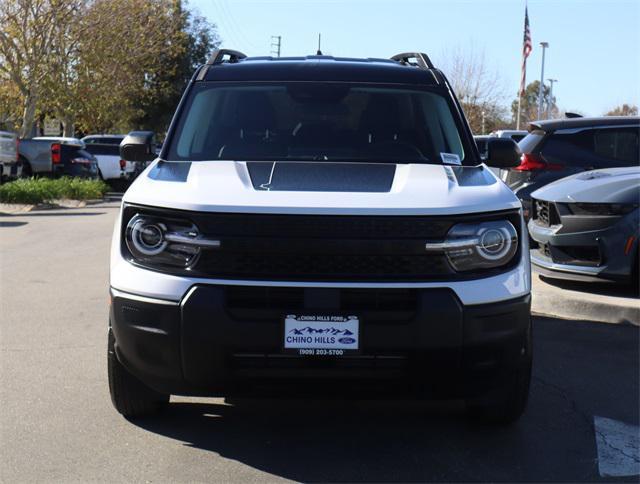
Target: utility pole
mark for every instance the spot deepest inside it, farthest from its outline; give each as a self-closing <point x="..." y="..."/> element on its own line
<point x="551" y="81"/>
<point x="276" y="42"/>
<point x="483" y="130"/>
<point x="319" y="42"/>
<point x="544" y="46"/>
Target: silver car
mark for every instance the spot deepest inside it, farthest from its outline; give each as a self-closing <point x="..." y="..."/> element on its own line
<point x="9" y="165"/>
<point x="587" y="226"/>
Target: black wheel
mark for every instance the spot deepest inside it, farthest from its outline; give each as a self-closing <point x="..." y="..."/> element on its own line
<point x="508" y="404"/>
<point x="130" y="396"/>
<point x="26" y="168"/>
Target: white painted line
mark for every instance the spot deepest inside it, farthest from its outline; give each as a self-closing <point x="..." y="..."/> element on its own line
<point x="618" y="447"/>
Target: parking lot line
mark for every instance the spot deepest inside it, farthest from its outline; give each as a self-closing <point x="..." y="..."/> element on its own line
<point x="618" y="447"/>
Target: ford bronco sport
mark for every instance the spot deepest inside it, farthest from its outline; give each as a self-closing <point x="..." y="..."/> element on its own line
<point x="324" y="225"/>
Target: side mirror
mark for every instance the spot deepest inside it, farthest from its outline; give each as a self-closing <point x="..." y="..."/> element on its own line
<point x="503" y="153"/>
<point x="138" y="146"/>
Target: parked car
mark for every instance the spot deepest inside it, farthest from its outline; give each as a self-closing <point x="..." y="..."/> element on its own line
<point x="56" y="156"/>
<point x="9" y="166"/>
<point x="515" y="134"/>
<point x="556" y="149"/>
<point x="106" y="149"/>
<point x="587" y="226"/>
<point x="321" y="224"/>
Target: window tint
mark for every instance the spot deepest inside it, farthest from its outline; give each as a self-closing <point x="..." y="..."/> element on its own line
<point x="593" y="148"/>
<point x="618" y="144"/>
<point x="103" y="140"/>
<point x="315" y="121"/>
<point x="103" y="149"/>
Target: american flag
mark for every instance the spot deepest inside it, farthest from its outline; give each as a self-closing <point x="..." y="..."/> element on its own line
<point x="526" y="50"/>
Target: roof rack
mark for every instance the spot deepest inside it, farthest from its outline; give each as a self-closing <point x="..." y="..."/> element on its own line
<point x="420" y="60"/>
<point x="219" y="55"/>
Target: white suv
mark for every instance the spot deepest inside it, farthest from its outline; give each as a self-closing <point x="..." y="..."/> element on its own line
<point x="319" y="224"/>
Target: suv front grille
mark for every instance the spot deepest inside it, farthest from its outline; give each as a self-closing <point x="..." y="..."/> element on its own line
<point x="255" y="303"/>
<point x="329" y="248"/>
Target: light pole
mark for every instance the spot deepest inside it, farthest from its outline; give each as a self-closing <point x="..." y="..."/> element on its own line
<point x="551" y="81"/>
<point x="544" y="46"/>
<point x="483" y="130"/>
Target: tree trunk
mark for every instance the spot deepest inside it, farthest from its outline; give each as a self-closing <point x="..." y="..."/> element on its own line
<point x="29" y="115"/>
<point x="68" y="126"/>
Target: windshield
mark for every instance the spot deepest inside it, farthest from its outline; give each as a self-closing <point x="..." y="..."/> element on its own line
<point x="316" y="121"/>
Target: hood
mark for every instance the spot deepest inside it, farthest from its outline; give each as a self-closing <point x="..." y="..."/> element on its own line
<point x="320" y="188"/>
<point x="611" y="185"/>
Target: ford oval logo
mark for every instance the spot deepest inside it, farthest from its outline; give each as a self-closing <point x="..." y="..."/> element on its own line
<point x="346" y="341"/>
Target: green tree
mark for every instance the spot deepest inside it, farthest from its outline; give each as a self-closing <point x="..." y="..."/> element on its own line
<point x="624" y="110"/>
<point x="529" y="107"/>
<point x="193" y="40"/>
<point x="27" y="31"/>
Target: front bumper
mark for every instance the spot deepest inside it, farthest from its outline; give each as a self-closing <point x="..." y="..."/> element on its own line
<point x="590" y="255"/>
<point x="11" y="170"/>
<point x="215" y="342"/>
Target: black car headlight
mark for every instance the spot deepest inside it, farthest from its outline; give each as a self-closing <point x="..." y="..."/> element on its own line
<point x="157" y="242"/>
<point x="611" y="209"/>
<point x="481" y="245"/>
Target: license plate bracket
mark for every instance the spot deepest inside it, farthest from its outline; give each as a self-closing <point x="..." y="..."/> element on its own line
<point x="321" y="335"/>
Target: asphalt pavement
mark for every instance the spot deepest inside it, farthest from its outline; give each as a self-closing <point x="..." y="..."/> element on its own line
<point x="58" y="425"/>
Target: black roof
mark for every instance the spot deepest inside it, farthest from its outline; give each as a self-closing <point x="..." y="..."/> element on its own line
<point x="569" y="123"/>
<point x="319" y="68"/>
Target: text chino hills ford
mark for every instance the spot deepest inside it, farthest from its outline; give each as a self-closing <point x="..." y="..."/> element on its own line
<point x="320" y="224"/>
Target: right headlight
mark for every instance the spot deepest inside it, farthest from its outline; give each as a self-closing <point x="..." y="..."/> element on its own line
<point x="482" y="245"/>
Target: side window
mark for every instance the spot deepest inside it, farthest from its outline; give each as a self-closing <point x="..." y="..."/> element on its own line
<point x="571" y="149"/>
<point x="618" y="145"/>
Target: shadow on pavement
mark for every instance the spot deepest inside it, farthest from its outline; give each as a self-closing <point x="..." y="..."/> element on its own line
<point x="604" y="288"/>
<point x="581" y="369"/>
<point x="12" y="224"/>
<point x="70" y="212"/>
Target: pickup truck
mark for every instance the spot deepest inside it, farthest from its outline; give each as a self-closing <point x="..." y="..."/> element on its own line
<point x="106" y="149"/>
<point x="9" y="166"/>
<point x="56" y="156"/>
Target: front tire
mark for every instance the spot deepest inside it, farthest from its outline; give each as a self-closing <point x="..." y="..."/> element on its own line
<point x="509" y="403"/>
<point x="509" y="406"/>
<point x="130" y="396"/>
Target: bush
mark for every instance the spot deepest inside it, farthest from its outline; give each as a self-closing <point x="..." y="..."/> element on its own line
<point x="39" y="190"/>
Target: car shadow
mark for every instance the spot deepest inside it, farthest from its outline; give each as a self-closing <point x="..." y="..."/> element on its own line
<point x="576" y="376"/>
<point x="57" y="213"/>
<point x="12" y="224"/>
<point x="603" y="288"/>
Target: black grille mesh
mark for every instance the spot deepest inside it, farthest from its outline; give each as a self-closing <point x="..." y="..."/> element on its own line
<point x="323" y="247"/>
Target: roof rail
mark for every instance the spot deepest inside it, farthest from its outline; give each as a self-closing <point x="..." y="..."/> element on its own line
<point x="219" y="54"/>
<point x="421" y="60"/>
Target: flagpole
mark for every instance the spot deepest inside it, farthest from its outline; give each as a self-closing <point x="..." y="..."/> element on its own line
<point x="526" y="50"/>
<point x="519" y="109"/>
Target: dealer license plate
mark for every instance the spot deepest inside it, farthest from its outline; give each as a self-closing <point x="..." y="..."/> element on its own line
<point x="321" y="335"/>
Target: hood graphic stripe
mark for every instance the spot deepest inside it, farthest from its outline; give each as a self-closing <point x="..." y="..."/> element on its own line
<point x="322" y="176"/>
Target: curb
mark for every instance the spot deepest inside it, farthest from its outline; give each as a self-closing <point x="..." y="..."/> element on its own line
<point x="18" y="208"/>
<point x="566" y="302"/>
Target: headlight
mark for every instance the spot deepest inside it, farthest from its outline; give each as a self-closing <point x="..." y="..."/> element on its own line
<point x="157" y="242"/>
<point x="601" y="208"/>
<point x="483" y="245"/>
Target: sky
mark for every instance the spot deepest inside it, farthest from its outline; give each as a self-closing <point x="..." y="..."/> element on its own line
<point x="594" y="46"/>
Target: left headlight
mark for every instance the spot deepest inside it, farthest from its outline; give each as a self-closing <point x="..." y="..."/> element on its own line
<point x="482" y="245"/>
<point x="612" y="209"/>
<point x="155" y="242"/>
